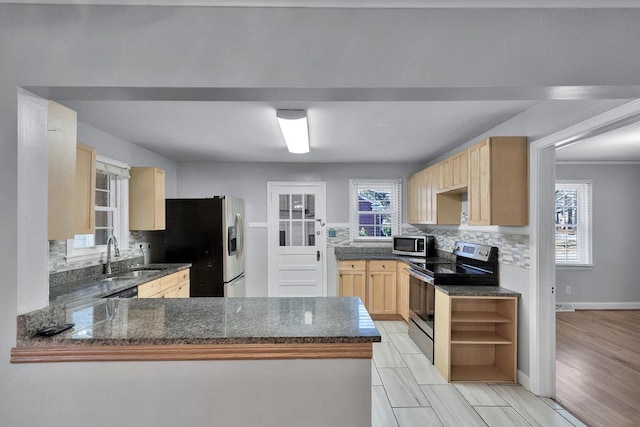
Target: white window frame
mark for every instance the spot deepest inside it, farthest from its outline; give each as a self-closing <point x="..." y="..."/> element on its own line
<point x="121" y="220"/>
<point x="584" y="224"/>
<point x="394" y="186"/>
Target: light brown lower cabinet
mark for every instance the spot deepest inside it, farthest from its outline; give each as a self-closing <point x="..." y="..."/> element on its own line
<point x="374" y="281"/>
<point x="476" y="338"/>
<point x="403" y="291"/>
<point x="382" y="287"/>
<point x="175" y="285"/>
<point x="353" y="279"/>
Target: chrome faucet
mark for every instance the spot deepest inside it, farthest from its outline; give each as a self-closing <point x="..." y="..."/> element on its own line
<point x="111" y="240"/>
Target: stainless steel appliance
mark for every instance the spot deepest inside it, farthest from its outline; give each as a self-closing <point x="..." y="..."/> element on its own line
<point x="127" y="293"/>
<point x="474" y="264"/>
<point x="419" y="246"/>
<point x="208" y="233"/>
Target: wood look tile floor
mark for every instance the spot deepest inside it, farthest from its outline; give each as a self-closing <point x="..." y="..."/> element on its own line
<point x="408" y="391"/>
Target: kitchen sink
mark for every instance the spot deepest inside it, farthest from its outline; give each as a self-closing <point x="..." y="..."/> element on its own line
<point x="137" y="274"/>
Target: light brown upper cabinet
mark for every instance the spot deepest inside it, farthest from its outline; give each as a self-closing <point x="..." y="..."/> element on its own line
<point x="147" y="199"/>
<point x="418" y="198"/>
<point x="62" y="129"/>
<point x="85" y="189"/>
<point x="452" y="172"/>
<point x="426" y="206"/>
<point x="498" y="182"/>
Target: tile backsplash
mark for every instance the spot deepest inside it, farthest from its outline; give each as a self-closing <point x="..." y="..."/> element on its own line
<point x="58" y="252"/>
<point x="513" y="248"/>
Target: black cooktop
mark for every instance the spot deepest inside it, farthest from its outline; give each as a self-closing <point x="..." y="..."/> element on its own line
<point x="474" y="265"/>
<point x="446" y="268"/>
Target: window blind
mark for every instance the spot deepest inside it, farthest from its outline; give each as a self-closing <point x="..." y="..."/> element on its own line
<point x="391" y="186"/>
<point x="112" y="167"/>
<point x="576" y="252"/>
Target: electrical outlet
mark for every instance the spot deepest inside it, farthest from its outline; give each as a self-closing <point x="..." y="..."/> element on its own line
<point x="567" y="290"/>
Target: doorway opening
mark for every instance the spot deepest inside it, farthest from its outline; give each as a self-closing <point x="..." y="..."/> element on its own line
<point x="542" y="240"/>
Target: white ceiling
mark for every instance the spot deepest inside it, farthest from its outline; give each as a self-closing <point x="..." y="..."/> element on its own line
<point x="620" y="145"/>
<point x="413" y="4"/>
<point x="379" y="86"/>
<point x="339" y="131"/>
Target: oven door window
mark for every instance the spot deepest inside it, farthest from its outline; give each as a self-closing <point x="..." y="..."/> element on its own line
<point x="421" y="300"/>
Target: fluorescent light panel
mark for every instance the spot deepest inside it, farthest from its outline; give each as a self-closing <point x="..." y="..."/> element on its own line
<point x="295" y="130"/>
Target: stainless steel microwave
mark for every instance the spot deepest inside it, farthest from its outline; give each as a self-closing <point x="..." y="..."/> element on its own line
<point x="422" y="246"/>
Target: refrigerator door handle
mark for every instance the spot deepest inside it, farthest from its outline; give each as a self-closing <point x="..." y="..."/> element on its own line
<point x="239" y="236"/>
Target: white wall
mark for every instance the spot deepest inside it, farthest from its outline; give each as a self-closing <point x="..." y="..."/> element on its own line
<point x="616" y="203"/>
<point x="227" y="47"/>
<point x="249" y="182"/>
<point x="118" y="149"/>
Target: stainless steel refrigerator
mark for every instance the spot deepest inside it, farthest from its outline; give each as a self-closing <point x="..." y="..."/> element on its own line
<point x="208" y="233"/>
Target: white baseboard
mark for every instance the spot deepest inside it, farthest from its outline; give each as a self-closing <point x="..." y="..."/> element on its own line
<point x="524" y="380"/>
<point x="605" y="305"/>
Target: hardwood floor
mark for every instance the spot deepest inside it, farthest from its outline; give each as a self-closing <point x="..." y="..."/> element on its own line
<point x="408" y="391"/>
<point x="598" y="366"/>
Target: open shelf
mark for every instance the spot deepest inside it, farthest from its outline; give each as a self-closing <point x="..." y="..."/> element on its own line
<point x="478" y="317"/>
<point x="482" y="373"/>
<point x="478" y="337"/>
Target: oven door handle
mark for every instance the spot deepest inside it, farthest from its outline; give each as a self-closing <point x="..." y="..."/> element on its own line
<point x="420" y="275"/>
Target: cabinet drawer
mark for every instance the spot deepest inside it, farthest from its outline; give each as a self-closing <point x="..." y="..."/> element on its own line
<point x="161" y="285"/>
<point x="149" y="289"/>
<point x="385" y="265"/>
<point x="353" y="265"/>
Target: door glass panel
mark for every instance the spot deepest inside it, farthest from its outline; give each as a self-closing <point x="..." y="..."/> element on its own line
<point x="296" y="233"/>
<point x="284" y="233"/>
<point x="310" y="206"/>
<point x="310" y="233"/>
<point x="297" y="215"/>
<point x="284" y="206"/>
<point x="297" y="206"/>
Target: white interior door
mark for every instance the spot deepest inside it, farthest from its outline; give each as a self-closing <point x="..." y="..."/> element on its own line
<point x="296" y="239"/>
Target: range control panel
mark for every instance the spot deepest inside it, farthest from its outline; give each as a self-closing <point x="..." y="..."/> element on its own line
<point x="473" y="250"/>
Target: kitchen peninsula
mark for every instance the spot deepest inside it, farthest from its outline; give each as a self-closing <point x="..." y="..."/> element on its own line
<point x="112" y="329"/>
<point x="283" y="361"/>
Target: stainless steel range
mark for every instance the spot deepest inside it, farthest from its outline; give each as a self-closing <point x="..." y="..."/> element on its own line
<point x="474" y="265"/>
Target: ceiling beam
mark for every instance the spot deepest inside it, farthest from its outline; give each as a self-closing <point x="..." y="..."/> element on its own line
<point x="377" y="94"/>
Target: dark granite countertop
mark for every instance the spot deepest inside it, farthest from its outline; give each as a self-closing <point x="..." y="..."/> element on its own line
<point x="158" y="321"/>
<point x="84" y="291"/>
<point x="348" y="253"/>
<point x="477" y="291"/>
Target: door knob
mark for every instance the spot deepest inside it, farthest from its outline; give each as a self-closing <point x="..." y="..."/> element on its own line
<point x="317" y="255"/>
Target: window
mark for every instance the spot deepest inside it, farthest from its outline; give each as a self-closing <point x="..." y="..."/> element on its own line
<point x="112" y="212"/>
<point x="375" y="208"/>
<point x="573" y="223"/>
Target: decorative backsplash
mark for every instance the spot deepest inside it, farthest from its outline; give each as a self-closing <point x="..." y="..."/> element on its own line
<point x="513" y="248"/>
<point x="58" y="252"/>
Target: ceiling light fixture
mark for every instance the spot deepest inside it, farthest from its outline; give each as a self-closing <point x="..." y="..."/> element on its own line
<point x="294" y="127"/>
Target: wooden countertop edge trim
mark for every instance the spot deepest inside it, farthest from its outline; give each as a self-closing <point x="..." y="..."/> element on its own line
<point x="190" y="352"/>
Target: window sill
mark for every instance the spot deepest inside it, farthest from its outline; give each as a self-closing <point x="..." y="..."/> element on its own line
<point x="96" y="256"/>
<point x="574" y="266"/>
<point x="372" y="240"/>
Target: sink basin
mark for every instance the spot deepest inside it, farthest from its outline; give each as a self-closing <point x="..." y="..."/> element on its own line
<point x="132" y="275"/>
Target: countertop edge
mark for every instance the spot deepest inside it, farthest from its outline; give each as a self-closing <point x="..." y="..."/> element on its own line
<point x="184" y="352"/>
<point x="477" y="291"/>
